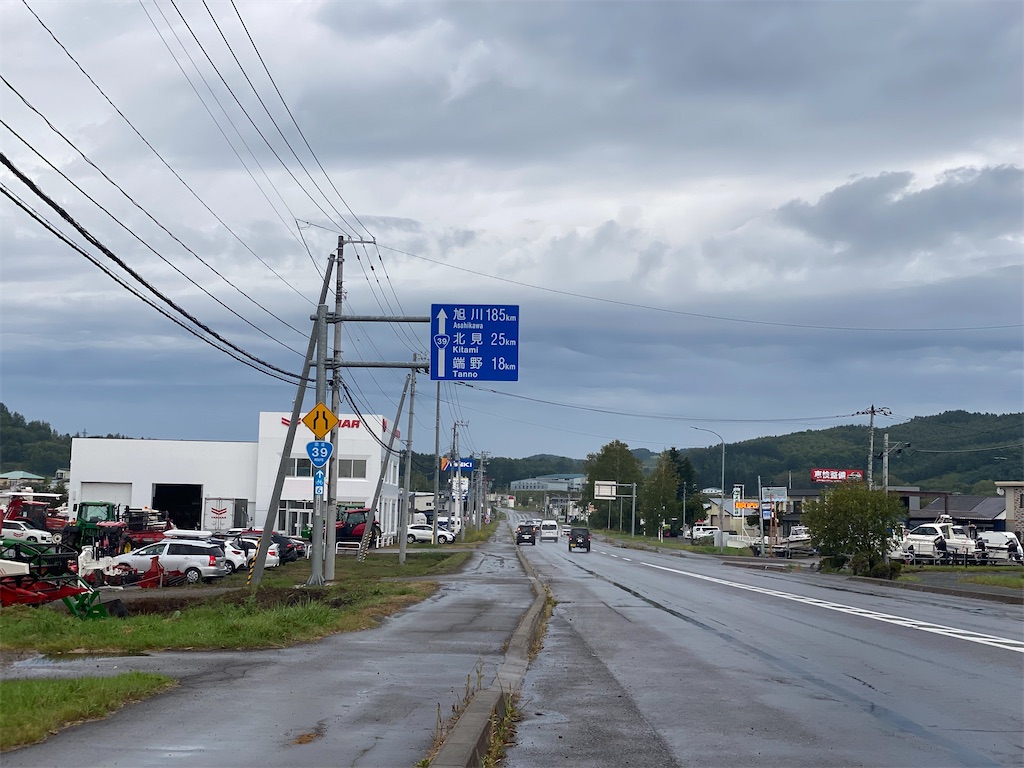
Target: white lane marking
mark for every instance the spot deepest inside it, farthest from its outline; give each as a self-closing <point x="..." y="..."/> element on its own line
<point x="923" y="626"/>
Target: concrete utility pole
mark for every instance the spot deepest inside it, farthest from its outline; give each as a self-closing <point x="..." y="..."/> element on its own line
<point x="871" y="438"/>
<point x="403" y="512"/>
<point x="289" y="441"/>
<point x="364" y="542"/>
<point x="330" y="546"/>
<point x="316" y="561"/>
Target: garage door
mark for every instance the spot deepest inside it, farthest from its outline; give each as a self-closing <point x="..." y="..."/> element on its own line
<point x="117" y="493"/>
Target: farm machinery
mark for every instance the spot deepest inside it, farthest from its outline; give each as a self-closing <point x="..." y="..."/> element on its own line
<point x="35" y="574"/>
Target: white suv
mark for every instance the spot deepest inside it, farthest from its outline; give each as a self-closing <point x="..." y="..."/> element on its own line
<point x="549" y="530"/>
<point x="197" y="560"/>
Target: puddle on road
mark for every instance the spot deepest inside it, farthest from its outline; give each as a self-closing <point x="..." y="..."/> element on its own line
<point x="54" y="661"/>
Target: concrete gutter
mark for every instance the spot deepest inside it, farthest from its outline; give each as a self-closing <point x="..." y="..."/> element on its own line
<point x="469" y="739"/>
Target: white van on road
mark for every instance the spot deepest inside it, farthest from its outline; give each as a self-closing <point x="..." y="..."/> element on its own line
<point x="549" y="530"/>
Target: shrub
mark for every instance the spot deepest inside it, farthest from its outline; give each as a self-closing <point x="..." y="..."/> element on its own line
<point x="833" y="563"/>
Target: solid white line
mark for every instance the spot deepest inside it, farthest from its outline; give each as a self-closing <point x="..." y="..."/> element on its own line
<point x="923" y="626"/>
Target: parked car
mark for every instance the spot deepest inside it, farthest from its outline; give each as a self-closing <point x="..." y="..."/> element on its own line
<point x="579" y="538"/>
<point x="301" y="546"/>
<point x="425" y="533"/>
<point x="703" y="531"/>
<point x="197" y="560"/>
<point x="23" y="531"/>
<point x="286" y="548"/>
<point x="549" y="530"/>
<point x="234" y="557"/>
<point x="526" y="533"/>
<point x="250" y="544"/>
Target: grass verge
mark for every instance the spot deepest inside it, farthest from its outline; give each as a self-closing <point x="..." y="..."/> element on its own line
<point x="33" y="709"/>
<point x="283" y="611"/>
<point x="1009" y="580"/>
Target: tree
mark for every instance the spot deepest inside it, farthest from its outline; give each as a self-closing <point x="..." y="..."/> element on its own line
<point x="613" y="462"/>
<point x="687" y="489"/>
<point x="849" y="519"/>
<point x="658" y="501"/>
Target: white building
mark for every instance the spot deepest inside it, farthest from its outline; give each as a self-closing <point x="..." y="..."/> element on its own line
<point x="218" y="485"/>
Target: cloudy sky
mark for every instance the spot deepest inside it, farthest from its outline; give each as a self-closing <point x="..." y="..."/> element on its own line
<point x="752" y="218"/>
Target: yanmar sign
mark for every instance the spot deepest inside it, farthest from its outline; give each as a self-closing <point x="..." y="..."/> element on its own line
<point x="836" y="475"/>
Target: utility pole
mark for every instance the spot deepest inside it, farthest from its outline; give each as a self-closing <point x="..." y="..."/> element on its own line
<point x="316" y="561"/>
<point x="289" y="441"/>
<point x="458" y="475"/>
<point x="872" y="411"/>
<point x="403" y="512"/>
<point x="364" y="543"/>
<point x="330" y="547"/>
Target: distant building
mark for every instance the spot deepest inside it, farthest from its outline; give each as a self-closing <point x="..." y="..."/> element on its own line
<point x="1012" y="492"/>
<point x="986" y="513"/>
<point x="544" y="483"/>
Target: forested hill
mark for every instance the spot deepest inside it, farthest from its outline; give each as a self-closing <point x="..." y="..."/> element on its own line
<point x="954" y="451"/>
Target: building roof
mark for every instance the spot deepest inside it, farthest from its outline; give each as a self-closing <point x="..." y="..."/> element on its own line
<point x="20" y="475"/>
<point x="966" y="507"/>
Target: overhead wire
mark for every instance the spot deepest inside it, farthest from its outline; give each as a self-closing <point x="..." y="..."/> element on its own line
<point x="231" y="122"/>
<point x="295" y="122"/>
<point x="249" y="117"/>
<point x="153" y="149"/>
<point x="125" y="284"/>
<point x="131" y="232"/>
<point x="701" y="316"/>
<point x="152" y="289"/>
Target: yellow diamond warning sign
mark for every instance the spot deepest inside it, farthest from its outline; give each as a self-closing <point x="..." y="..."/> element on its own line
<point x="320" y="420"/>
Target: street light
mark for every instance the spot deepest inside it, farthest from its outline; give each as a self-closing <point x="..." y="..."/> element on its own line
<point x="721" y="489"/>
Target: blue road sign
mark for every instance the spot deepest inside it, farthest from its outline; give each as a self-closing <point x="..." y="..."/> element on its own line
<point x="474" y="342"/>
<point x="319" y="452"/>
<point x="319" y="483"/>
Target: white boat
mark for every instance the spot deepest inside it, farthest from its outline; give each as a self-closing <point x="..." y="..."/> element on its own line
<point x="798" y="543"/>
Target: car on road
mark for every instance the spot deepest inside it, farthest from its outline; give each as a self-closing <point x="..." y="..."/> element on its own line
<point x="566" y="530"/>
<point x="579" y="538"/>
<point x="526" y="533"/>
<point x="425" y="533"/>
<point x="197" y="560"/>
<point x="548" y="530"/>
<point x="23" y="531"/>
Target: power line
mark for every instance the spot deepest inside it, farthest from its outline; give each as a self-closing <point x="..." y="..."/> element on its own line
<point x="249" y="117"/>
<point x="155" y="152"/>
<point x="131" y="232"/>
<point x="659" y="416"/>
<point x="231" y="122"/>
<point x="698" y="315"/>
<point x="295" y="122"/>
<point x="110" y="255"/>
<point x="123" y="283"/>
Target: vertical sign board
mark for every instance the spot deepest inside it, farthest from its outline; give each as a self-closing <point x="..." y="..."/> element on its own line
<point x="474" y="342"/>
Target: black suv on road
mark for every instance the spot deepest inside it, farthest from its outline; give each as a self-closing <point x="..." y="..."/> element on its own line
<point x="579" y="538"/>
<point x="526" y="532"/>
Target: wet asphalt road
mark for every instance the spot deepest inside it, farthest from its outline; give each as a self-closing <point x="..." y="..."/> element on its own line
<point x="701" y="664"/>
<point x="368" y="698"/>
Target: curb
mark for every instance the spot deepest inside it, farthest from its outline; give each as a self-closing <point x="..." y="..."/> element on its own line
<point x="469" y="739"/>
<point x="1010" y="599"/>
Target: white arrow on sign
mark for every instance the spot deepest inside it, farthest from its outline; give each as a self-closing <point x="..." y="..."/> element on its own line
<point x="441" y="341"/>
